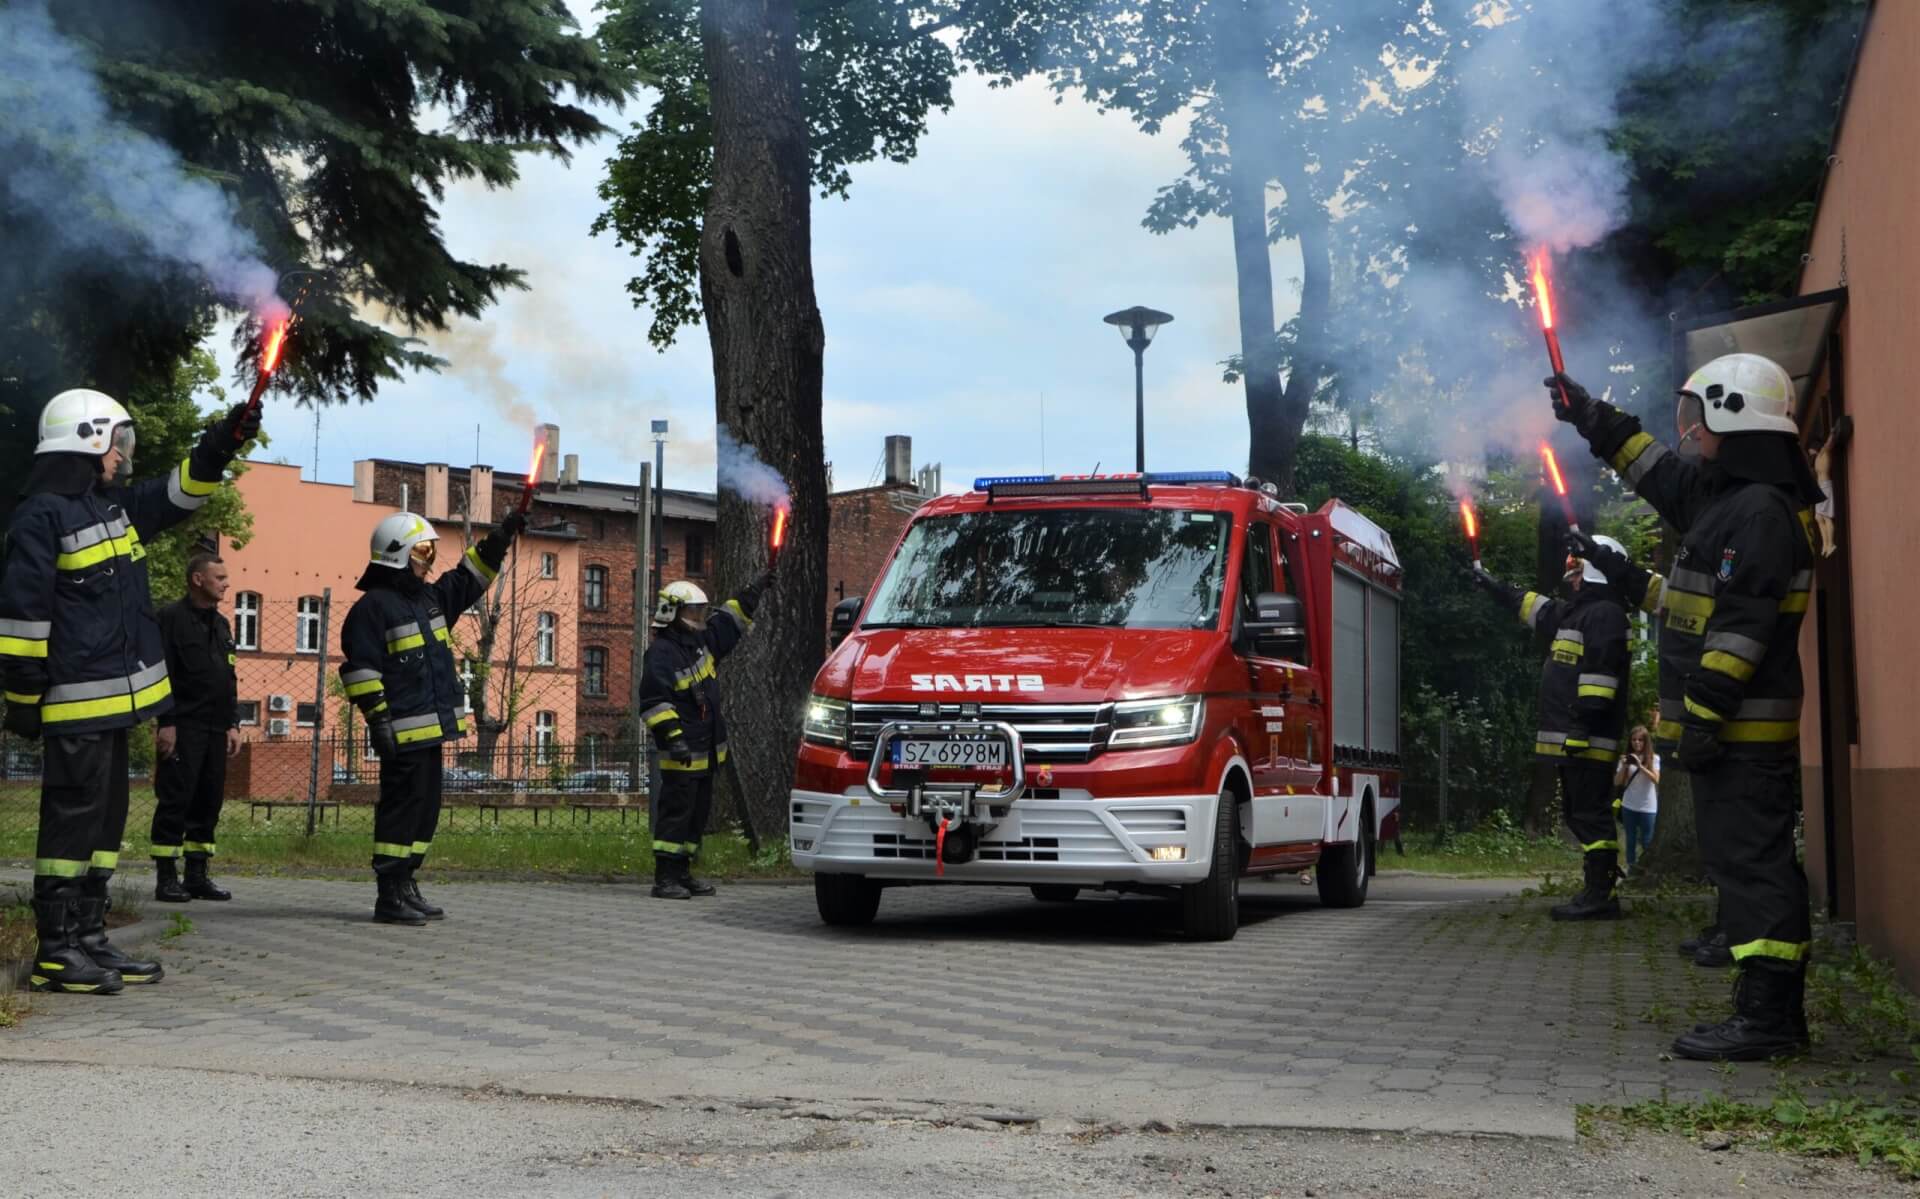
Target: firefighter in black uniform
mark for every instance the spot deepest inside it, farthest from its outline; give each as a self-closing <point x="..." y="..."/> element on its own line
<point x="83" y="661"/>
<point x="399" y="671"/>
<point x="194" y="741"/>
<point x="680" y="705"/>
<point x="1730" y="663"/>
<point x="1583" y="717"/>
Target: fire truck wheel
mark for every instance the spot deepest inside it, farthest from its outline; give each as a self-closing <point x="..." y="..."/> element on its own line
<point x="1344" y="869"/>
<point x="1211" y="907"/>
<point x="846" y="900"/>
<point x="1054" y="892"/>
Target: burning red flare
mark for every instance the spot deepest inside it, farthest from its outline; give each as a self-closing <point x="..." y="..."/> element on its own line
<point x="1541" y="291"/>
<point x="533" y="475"/>
<point x="270" y="349"/>
<point x="1553" y="470"/>
<point x="1466" y="516"/>
<point x="779" y="528"/>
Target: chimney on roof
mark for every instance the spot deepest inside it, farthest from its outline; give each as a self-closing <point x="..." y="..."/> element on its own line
<point x="363" y="481"/>
<point x="435" y="499"/>
<point x="480" y="494"/>
<point x="570" y="473"/>
<point x="550" y="465"/>
<point x="899" y="461"/>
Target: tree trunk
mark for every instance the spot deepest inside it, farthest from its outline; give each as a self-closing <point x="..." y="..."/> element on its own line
<point x="756" y="290"/>
<point x="1674" y="854"/>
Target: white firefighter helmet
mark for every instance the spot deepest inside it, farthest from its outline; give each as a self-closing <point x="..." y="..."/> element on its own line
<point x="394" y="538"/>
<point x="1588" y="571"/>
<point x="1744" y="393"/>
<point x="673" y="597"/>
<point x="82" y="421"/>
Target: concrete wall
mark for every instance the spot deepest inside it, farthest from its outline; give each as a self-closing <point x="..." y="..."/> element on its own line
<point x="1866" y="236"/>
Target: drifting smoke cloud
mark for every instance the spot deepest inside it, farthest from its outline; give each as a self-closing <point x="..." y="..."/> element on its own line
<point x="741" y="471"/>
<point x="104" y="190"/>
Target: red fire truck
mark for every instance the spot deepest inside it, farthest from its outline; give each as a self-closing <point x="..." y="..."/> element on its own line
<point x="1161" y="683"/>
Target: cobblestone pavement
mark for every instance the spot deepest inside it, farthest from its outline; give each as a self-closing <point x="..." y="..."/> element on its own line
<point x="1433" y="1008"/>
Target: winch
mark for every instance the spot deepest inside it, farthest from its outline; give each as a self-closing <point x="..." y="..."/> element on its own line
<point x="959" y="812"/>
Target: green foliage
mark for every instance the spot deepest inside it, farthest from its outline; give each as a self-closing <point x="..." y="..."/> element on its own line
<point x="179" y="924"/>
<point x="1869" y="1131"/>
<point x="336" y="129"/>
<point x="872" y="69"/>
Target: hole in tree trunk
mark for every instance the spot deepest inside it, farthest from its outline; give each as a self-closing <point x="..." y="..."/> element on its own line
<point x="734" y="262"/>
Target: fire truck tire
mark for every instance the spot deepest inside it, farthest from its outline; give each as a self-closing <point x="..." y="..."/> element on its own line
<point x="846" y="900"/>
<point x="1345" y="869"/>
<point x="1054" y="892"/>
<point x="1211" y="907"/>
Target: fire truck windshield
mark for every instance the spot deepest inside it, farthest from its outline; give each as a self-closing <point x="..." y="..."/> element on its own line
<point x="1151" y="568"/>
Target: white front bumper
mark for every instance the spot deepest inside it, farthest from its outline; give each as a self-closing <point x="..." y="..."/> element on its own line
<point x="1084" y="842"/>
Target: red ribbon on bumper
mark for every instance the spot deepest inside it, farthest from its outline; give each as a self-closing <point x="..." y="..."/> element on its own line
<point x="940" y="849"/>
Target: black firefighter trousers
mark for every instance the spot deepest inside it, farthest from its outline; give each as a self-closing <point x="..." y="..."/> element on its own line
<point x="680" y="818"/>
<point x="1745" y="810"/>
<point x="83" y="810"/>
<point x="1586" y="804"/>
<point x="409" y="810"/>
<point x="188" y="789"/>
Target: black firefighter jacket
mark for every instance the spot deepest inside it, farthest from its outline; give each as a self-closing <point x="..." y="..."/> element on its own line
<point x="680" y="688"/>
<point x="1583" y="684"/>
<point x="78" y="634"/>
<point x="1731" y="608"/>
<point x="399" y="656"/>
<point x="200" y="663"/>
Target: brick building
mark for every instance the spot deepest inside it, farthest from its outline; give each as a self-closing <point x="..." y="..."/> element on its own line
<point x="866" y="522"/>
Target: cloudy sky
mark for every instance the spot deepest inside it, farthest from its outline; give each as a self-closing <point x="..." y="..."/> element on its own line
<point x="962" y="295"/>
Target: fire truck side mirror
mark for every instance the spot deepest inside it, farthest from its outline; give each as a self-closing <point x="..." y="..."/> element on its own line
<point x="1277" y="620"/>
<point x="846" y="614"/>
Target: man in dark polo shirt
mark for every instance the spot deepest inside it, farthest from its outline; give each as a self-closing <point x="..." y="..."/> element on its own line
<point x="195" y="739"/>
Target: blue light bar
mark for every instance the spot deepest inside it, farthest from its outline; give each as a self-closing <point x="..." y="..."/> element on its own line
<point x="1163" y="478"/>
<point x="1175" y="478"/>
<point x="986" y="481"/>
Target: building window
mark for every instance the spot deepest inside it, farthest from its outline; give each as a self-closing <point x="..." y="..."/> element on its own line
<point x="249" y="711"/>
<point x="543" y="723"/>
<point x="594" y="594"/>
<point x="549" y="566"/>
<point x="306" y="629"/>
<point x="696" y="554"/>
<point x="306" y="715"/>
<point x="593" y="671"/>
<point x="543" y="639"/>
<point x="599" y="528"/>
<point x="246" y="620"/>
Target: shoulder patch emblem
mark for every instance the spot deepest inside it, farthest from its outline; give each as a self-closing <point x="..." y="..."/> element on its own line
<point x="1726" y="565"/>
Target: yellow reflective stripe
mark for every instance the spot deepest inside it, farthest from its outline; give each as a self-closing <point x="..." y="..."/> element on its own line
<point x="105" y="859"/>
<point x="366" y="688"/>
<point x="1703" y="711"/>
<point x="1655" y="597"/>
<point x="721" y="756"/>
<point x="1731" y="665"/>
<point x="377" y="708"/>
<point x="1529" y="604"/>
<point x="111" y="705"/>
<point x="700" y="763"/>
<point x="388" y="849"/>
<point x="1574" y="749"/>
<point x="1796" y="601"/>
<point x="1669" y="730"/>
<point x="423" y="733"/>
<point x="1759" y="730"/>
<point x="1598" y="755"/>
<point x="166" y="851"/>
<point x="480" y="568"/>
<point x="1594" y="846"/>
<point x="1591" y="691"/>
<point x="15" y="697"/>
<point x="1792" y="951"/>
<point x="685" y="847"/>
<point x="193" y="486"/>
<point x="60" y="867"/>
<point x="440" y="635"/>
<point x="205" y="847"/>
<point x="1575" y="648"/>
<point x="661" y="717"/>
<point x="112" y="547"/>
<point x="739" y="613"/>
<point x="22" y="647"/>
<point x="406" y="643"/>
<point x="1627" y="454"/>
<point x="422" y="846"/>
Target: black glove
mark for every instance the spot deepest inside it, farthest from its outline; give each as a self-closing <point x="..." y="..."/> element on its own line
<point x="1506" y="593"/>
<point x="1572" y="403"/>
<point x="514" y="525"/>
<point x="23" y="720"/>
<point x="1699" y="749"/>
<point x="239" y="426"/>
<point x="1609" y="561"/>
<point x="680" y="751"/>
<point x="385" y="745"/>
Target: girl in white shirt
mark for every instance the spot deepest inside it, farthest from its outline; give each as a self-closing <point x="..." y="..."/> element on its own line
<point x="1639" y="774"/>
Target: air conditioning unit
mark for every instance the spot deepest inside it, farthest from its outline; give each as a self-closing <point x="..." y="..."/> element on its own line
<point x="279" y="728"/>
<point x="279" y="703"/>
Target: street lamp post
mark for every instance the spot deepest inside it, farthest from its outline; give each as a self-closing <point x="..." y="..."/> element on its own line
<point x="1137" y="326"/>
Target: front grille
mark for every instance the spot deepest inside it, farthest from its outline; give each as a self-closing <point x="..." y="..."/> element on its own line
<point x="1050" y="732"/>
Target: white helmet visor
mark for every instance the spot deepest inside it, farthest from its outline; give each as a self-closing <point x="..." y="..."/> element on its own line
<point x="123" y="440"/>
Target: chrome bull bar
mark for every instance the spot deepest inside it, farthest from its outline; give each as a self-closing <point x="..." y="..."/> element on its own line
<point x="954" y="800"/>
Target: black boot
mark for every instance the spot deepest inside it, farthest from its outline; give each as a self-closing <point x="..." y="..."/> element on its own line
<point x="91" y="936"/>
<point x="198" y="884"/>
<point x="667" y="871"/>
<point x="1713" y="952"/>
<point x="694" y="886"/>
<point x="1691" y="945"/>
<point x="1769" y="1018"/>
<point x="60" y="964"/>
<point x="166" y="882"/>
<point x="1596" y="900"/>
<point x="419" y="901"/>
<point x="392" y="907"/>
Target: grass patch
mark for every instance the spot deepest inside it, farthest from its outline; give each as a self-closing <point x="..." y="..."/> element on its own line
<point x="1496" y="849"/>
<point x="18" y="940"/>
<point x="1871" y="1132"/>
<point x="178" y="925"/>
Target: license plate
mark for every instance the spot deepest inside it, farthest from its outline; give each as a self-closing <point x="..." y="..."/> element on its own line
<point x="950" y="755"/>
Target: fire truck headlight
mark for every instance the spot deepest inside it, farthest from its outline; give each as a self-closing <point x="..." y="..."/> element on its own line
<point x="1146" y="722"/>
<point x="828" y="720"/>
